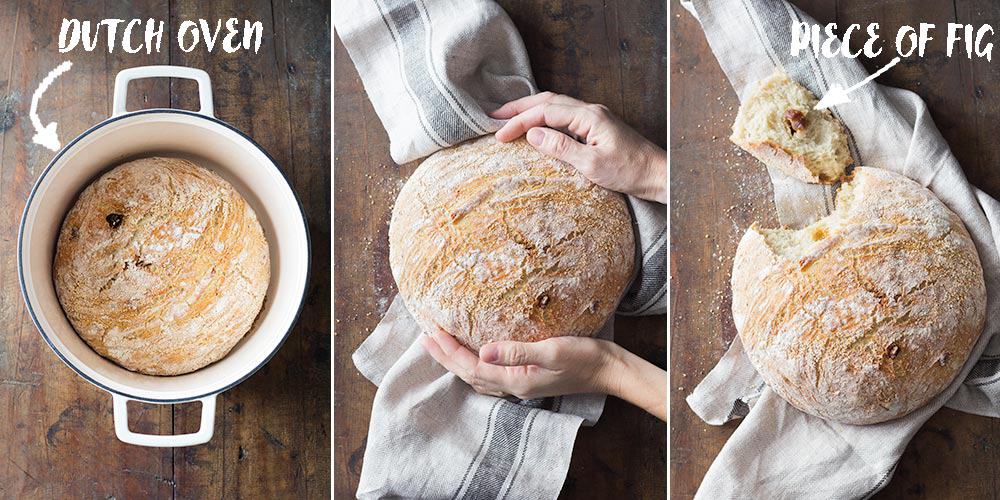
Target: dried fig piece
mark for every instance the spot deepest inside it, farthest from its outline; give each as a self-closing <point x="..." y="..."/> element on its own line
<point x="795" y="120"/>
<point x="114" y="220"/>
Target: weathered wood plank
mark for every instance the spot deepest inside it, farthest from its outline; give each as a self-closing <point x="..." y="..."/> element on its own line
<point x="366" y="182"/>
<point x="306" y="31"/>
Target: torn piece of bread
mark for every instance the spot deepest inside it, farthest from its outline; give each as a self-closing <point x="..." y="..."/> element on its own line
<point x="778" y="125"/>
<point x="868" y="313"/>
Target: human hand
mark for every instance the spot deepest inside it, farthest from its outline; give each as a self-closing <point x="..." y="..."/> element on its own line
<point x="529" y="370"/>
<point x="556" y="366"/>
<point x="609" y="152"/>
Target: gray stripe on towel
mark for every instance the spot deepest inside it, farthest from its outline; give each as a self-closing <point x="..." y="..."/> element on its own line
<point x="504" y="448"/>
<point x="479" y="127"/>
<point x="412" y="32"/>
<point x="650" y="284"/>
<point x="482" y="445"/>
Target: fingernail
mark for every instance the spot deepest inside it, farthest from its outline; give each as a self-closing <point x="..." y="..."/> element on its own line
<point x="535" y="136"/>
<point x="489" y="353"/>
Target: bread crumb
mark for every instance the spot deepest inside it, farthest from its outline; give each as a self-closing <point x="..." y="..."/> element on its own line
<point x="7" y="113"/>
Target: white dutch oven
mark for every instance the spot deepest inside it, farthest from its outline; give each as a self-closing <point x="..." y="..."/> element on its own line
<point x="214" y="144"/>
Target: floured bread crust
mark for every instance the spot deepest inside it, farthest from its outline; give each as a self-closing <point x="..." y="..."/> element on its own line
<point x="867" y="314"/>
<point x="495" y="241"/>
<point x="161" y="266"/>
<point x="778" y="125"/>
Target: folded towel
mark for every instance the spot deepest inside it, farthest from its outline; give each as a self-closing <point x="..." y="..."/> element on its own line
<point x="433" y="68"/>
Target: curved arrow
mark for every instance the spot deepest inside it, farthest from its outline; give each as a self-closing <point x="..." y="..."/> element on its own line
<point x="46" y="136"/>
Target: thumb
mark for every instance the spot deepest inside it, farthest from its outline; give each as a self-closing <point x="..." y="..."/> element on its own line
<point x="508" y="353"/>
<point x="559" y="145"/>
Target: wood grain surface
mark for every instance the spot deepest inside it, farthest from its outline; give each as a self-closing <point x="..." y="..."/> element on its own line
<point x="718" y="192"/>
<point x="613" y="53"/>
<point x="272" y="432"/>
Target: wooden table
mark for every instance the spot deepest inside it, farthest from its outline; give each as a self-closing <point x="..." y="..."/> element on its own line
<point x="272" y="434"/>
<point x="613" y="53"/>
<point x="718" y="192"/>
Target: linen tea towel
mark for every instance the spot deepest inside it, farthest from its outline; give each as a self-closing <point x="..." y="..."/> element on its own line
<point x="433" y="68"/>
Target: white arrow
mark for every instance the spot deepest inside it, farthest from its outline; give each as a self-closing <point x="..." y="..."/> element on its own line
<point x="838" y="95"/>
<point x="46" y="136"/>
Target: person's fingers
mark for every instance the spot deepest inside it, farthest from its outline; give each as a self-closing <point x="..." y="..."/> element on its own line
<point x="458" y="354"/>
<point x="432" y="348"/>
<point x="517" y="354"/>
<point x="464" y="363"/>
<point x="512" y="108"/>
<point x="508" y="110"/>
<point x="559" y="145"/>
<point x="558" y="116"/>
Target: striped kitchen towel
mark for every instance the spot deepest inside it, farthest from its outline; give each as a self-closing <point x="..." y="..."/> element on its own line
<point x="432" y="69"/>
<point x="432" y="436"/>
<point x="779" y="451"/>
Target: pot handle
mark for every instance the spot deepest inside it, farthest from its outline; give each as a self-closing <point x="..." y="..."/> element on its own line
<point x="203" y="435"/>
<point x="127" y="75"/>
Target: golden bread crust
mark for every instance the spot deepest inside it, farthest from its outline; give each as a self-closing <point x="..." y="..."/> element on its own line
<point x="493" y="241"/>
<point x="877" y="312"/>
<point x="161" y="266"/>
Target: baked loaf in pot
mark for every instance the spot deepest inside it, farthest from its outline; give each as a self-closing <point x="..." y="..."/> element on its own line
<point x="779" y="125"/>
<point x="867" y="314"/>
<point x="492" y="241"/>
<point x="161" y="266"/>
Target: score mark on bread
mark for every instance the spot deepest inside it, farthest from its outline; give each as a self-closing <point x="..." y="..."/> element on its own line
<point x="161" y="266"/>
<point x="779" y="126"/>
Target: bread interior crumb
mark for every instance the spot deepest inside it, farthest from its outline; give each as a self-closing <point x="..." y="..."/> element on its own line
<point x="793" y="244"/>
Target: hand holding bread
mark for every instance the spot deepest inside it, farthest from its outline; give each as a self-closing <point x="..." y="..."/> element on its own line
<point x="494" y="241"/>
<point x="554" y="367"/>
<point x="609" y="153"/>
<point x="522" y="258"/>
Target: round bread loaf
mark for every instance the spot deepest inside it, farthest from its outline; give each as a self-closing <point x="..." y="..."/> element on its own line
<point x="867" y="314"/>
<point x="492" y="241"/>
<point x="161" y="266"/>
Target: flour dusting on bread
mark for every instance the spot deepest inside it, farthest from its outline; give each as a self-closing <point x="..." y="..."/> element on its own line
<point x="867" y="314"/>
<point x="161" y="266"/>
<point x="493" y="241"/>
